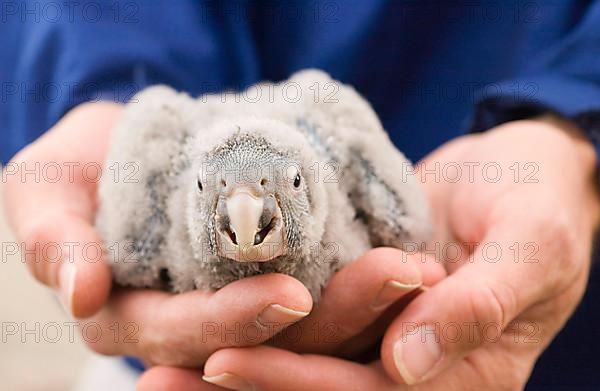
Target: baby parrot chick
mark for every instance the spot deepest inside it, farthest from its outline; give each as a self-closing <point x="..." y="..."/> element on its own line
<point x="297" y="177"/>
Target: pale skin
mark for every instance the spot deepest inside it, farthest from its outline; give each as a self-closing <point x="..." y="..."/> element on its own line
<point x="526" y="298"/>
<point x="158" y="327"/>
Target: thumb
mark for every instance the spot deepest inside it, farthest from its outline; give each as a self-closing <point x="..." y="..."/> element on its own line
<point x="469" y="308"/>
<point x="65" y="252"/>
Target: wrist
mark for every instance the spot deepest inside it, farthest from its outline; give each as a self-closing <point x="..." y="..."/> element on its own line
<point x="586" y="155"/>
<point x="585" y="151"/>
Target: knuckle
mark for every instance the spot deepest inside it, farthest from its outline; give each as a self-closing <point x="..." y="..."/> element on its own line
<point x="156" y="354"/>
<point x="160" y="350"/>
<point x="559" y="229"/>
<point x="41" y="242"/>
<point x="561" y="250"/>
<point x="492" y="304"/>
<point x="39" y="233"/>
<point x="514" y="369"/>
<point x="162" y="355"/>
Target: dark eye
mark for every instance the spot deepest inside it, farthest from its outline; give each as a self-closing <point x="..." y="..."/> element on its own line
<point x="297" y="181"/>
<point x="199" y="185"/>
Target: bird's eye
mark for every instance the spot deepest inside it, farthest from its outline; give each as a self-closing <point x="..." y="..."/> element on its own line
<point x="297" y="181"/>
<point x="199" y="185"/>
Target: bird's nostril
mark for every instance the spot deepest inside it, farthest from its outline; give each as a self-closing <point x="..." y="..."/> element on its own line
<point x="263" y="181"/>
<point x="223" y="183"/>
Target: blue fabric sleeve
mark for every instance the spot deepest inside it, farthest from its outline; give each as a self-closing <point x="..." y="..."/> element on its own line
<point x="563" y="79"/>
<point x="67" y="53"/>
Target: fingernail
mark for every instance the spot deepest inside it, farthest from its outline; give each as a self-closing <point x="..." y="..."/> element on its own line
<point x="416" y="354"/>
<point x="278" y="314"/>
<point x="390" y="292"/>
<point x="66" y="284"/>
<point x="230" y="381"/>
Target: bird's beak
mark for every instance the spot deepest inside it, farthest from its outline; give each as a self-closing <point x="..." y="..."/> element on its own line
<point x="244" y="211"/>
<point x="252" y="231"/>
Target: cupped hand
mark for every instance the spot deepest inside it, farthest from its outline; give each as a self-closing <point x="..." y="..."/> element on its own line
<point x="51" y="202"/>
<point x="517" y="245"/>
<point x="355" y="309"/>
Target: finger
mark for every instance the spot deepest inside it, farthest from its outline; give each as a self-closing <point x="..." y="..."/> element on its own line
<point x="357" y="295"/>
<point x="64" y="252"/>
<point x="268" y="368"/>
<point x="469" y="308"/>
<point x="53" y="224"/>
<point x="50" y="202"/>
<point x="184" y="329"/>
<point x="169" y="378"/>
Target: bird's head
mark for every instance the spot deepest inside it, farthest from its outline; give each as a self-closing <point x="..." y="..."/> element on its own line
<point x="255" y="197"/>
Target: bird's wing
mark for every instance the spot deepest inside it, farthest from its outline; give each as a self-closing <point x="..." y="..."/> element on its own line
<point x="386" y="195"/>
<point x="141" y="171"/>
<point x="378" y="178"/>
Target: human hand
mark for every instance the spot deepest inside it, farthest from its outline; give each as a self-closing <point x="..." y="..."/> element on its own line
<point x="53" y="214"/>
<point x="484" y="326"/>
<point x="50" y="199"/>
<point x="355" y="309"/>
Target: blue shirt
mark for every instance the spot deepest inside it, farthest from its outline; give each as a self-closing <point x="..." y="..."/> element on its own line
<point x="431" y="69"/>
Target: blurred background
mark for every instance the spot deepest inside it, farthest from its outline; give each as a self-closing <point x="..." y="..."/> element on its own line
<point x="462" y="52"/>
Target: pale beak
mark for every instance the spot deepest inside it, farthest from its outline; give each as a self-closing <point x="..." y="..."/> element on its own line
<point x="244" y="211"/>
<point x="251" y="227"/>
